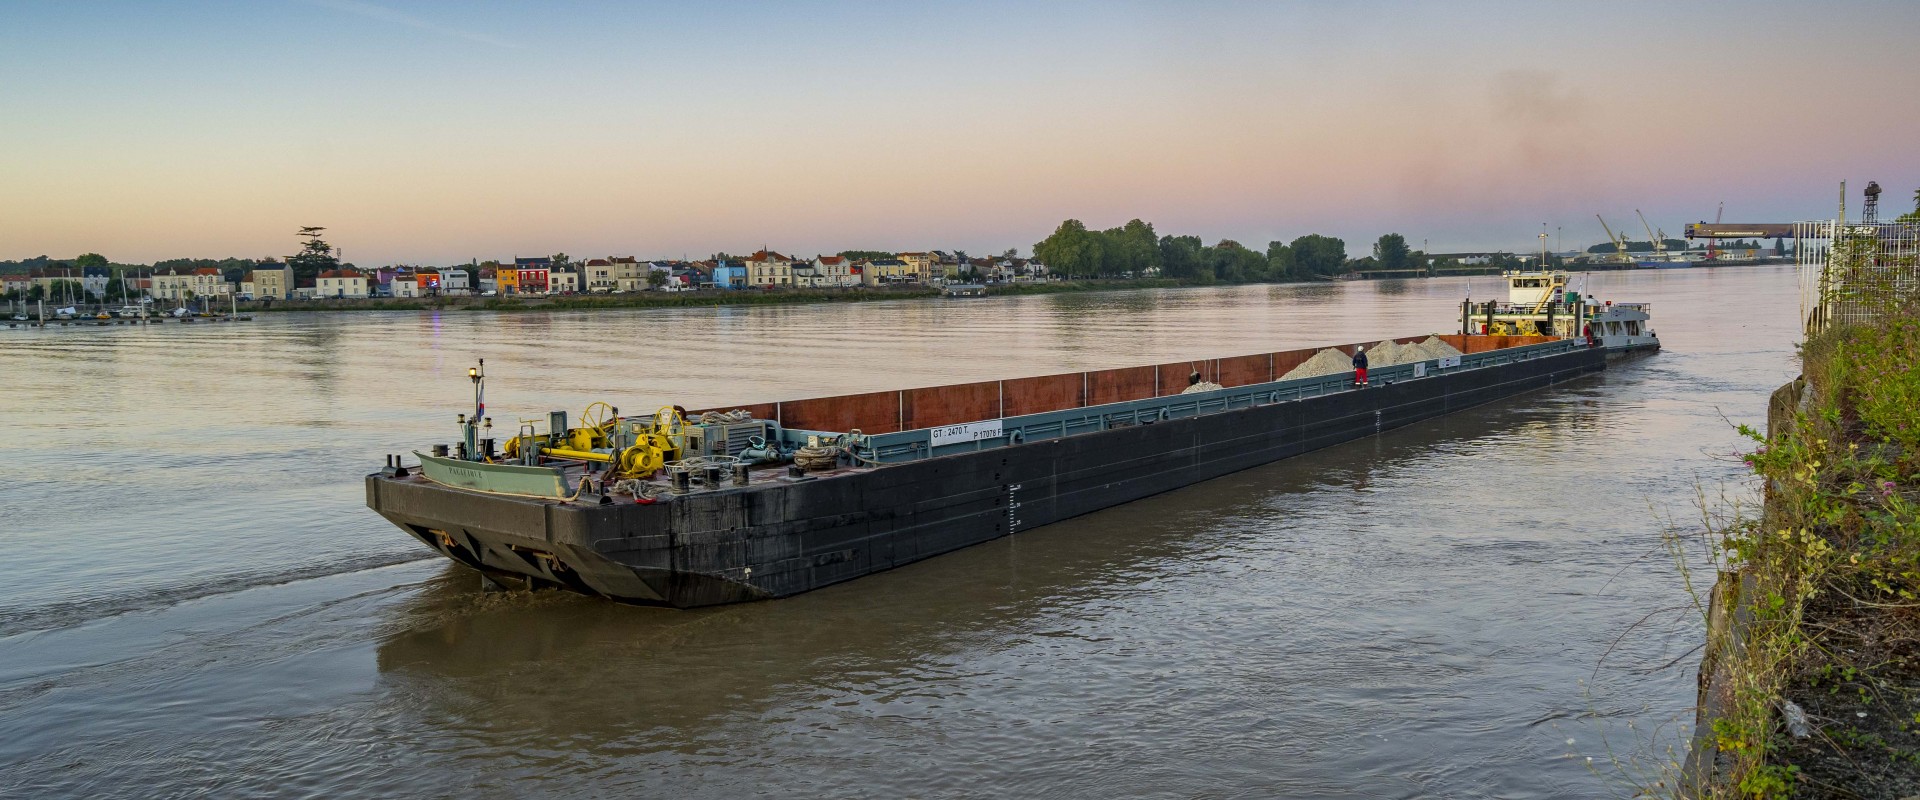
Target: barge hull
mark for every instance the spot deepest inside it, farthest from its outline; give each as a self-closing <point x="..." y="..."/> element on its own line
<point x="777" y="540"/>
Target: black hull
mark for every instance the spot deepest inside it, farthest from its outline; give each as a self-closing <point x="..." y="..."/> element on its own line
<point x="779" y="539"/>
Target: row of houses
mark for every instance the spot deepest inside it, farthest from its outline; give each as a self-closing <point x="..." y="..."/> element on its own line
<point x="92" y="281"/>
<point x="172" y="284"/>
<point x="765" y="269"/>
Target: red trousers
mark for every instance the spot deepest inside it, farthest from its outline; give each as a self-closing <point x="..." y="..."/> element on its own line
<point x="1359" y="374"/>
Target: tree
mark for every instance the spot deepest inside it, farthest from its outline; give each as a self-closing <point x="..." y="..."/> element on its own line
<point x="1318" y="256"/>
<point x="90" y="260"/>
<point x="1391" y="252"/>
<point x="1235" y="263"/>
<point x="1779" y="246"/>
<point x="559" y="259"/>
<point x="1072" y="250"/>
<point x="1182" y="257"/>
<point x="1280" y="261"/>
<point x="315" y="256"/>
<point x="866" y="255"/>
<point x="1132" y="248"/>
<point x="656" y="278"/>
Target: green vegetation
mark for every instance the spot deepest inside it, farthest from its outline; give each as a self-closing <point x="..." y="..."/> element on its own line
<point x="315" y="256"/>
<point x="1391" y="252"/>
<point x="865" y="255"/>
<point x="1827" y="580"/>
<point x="1135" y="250"/>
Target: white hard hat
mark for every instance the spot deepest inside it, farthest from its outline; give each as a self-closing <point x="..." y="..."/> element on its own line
<point x="1359" y="348"/>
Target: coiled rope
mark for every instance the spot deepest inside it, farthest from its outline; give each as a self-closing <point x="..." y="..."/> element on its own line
<point x="817" y="458"/>
<point x="720" y="417"/>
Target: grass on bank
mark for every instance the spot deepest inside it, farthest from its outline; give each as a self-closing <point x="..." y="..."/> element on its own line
<point x="1831" y="581"/>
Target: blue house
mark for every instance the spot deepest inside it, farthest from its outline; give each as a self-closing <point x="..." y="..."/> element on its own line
<point x="729" y="276"/>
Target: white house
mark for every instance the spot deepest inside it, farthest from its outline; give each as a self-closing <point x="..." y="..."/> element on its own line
<point x="341" y="283"/>
<point x="835" y="271"/>
<point x="768" y="268"/>
<point x="563" y="281"/>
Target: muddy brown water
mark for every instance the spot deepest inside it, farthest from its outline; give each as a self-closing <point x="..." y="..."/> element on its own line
<point x="198" y="603"/>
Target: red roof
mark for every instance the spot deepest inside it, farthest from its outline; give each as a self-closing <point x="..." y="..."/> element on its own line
<point x="767" y="255"/>
<point x="340" y="273"/>
<point x="834" y="260"/>
<point x="207" y="271"/>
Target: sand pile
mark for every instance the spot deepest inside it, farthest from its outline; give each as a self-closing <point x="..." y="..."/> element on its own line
<point x="1203" y="386"/>
<point x="1385" y="354"/>
<point x="1325" y="362"/>
<point x="1430" y="349"/>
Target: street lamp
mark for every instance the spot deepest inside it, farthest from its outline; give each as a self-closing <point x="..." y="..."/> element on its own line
<point x="477" y="374"/>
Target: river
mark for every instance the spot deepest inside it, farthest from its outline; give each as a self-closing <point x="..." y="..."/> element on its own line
<point x="198" y="602"/>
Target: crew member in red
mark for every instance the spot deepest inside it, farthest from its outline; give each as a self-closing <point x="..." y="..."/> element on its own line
<point x="1360" y="365"/>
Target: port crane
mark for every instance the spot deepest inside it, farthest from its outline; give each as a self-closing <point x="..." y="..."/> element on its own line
<point x="1619" y="242"/>
<point x="1659" y="243"/>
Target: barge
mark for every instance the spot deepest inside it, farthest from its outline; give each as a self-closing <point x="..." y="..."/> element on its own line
<point x="696" y="508"/>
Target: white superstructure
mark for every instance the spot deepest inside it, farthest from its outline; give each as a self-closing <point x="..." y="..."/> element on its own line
<point x="1540" y="303"/>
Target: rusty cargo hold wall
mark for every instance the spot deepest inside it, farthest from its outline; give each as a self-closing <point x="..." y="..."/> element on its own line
<point x="952" y="404"/>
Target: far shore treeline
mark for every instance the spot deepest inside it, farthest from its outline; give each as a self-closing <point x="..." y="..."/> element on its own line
<point x="1075" y="251"/>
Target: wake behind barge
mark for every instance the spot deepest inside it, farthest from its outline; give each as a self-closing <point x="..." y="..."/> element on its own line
<point x="774" y="499"/>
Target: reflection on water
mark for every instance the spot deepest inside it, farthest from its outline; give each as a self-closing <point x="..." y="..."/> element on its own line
<point x="1419" y="613"/>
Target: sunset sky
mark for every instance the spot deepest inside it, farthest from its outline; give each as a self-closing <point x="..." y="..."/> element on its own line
<point x="438" y="132"/>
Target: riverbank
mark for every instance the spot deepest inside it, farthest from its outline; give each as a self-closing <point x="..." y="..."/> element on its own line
<point x="704" y="298"/>
<point x="1810" y="685"/>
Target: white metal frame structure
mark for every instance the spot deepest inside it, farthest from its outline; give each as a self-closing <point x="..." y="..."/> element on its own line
<point x="1847" y="278"/>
